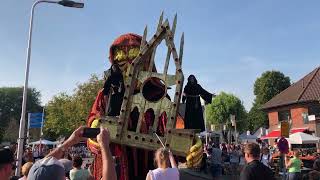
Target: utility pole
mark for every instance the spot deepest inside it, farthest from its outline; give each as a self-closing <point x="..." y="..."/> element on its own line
<point x="21" y="139"/>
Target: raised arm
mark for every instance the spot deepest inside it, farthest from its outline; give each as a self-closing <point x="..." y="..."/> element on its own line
<point x="75" y="138"/>
<point x="288" y="162"/>
<point x="172" y="160"/>
<point x="108" y="167"/>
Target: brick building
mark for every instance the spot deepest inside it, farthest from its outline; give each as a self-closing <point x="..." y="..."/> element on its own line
<point x="299" y="103"/>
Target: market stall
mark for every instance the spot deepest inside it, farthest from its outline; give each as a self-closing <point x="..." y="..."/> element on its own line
<point x="306" y="143"/>
<point x="303" y="138"/>
<point x="247" y="137"/>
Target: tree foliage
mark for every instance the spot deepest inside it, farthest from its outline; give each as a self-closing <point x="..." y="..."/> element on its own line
<point x="270" y="84"/>
<point x="65" y="112"/>
<point x="257" y="118"/>
<point x="266" y="87"/>
<point x="10" y="109"/>
<point x="224" y="105"/>
<point x="11" y="132"/>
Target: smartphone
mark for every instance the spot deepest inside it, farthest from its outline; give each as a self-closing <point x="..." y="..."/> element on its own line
<point x="90" y="132"/>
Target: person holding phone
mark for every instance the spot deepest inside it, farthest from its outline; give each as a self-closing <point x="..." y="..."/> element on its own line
<point x="163" y="159"/>
<point x="50" y="168"/>
<point x="294" y="166"/>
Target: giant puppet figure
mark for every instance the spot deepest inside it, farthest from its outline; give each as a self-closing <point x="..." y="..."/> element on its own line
<point x="134" y="57"/>
<point x="192" y="92"/>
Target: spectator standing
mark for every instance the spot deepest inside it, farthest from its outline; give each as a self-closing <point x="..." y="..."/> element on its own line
<point x="163" y="159"/>
<point x="242" y="159"/>
<point x="206" y="156"/>
<point x="13" y="147"/>
<point x="254" y="170"/>
<point x="28" y="156"/>
<point x="77" y="173"/>
<point x="25" y="170"/>
<point x="294" y="166"/>
<point x="6" y="163"/>
<point x="266" y="157"/>
<point x="216" y="161"/>
<point x="234" y="159"/>
<point x="35" y="153"/>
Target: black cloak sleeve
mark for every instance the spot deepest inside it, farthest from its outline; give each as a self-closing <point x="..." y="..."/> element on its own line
<point x="205" y="95"/>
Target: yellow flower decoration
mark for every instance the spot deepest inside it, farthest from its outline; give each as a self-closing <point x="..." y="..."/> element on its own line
<point x="120" y="55"/>
<point x="133" y="53"/>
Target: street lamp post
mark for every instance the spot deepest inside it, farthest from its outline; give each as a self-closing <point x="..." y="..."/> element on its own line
<point x="21" y="138"/>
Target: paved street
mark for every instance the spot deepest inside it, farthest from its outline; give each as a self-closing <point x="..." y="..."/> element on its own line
<point x="186" y="174"/>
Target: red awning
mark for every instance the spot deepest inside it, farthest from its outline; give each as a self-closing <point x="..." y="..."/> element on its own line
<point x="298" y="130"/>
<point x="272" y="135"/>
<point x="276" y="133"/>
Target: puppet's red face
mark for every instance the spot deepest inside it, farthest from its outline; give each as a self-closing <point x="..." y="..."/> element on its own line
<point x="124" y="50"/>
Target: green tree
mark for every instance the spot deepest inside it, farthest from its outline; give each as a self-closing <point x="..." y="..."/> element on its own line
<point x="65" y="112"/>
<point x="257" y="118"/>
<point x="61" y="116"/>
<point x="266" y="87"/>
<point x="11" y="132"/>
<point x="10" y="108"/>
<point x="224" y="105"/>
<point x="85" y="95"/>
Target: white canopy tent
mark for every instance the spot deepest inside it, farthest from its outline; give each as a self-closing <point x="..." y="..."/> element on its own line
<point x="45" y="142"/>
<point x="303" y="138"/>
<point x="247" y="137"/>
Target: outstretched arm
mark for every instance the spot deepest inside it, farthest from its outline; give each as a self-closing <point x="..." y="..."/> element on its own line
<point x="75" y="138"/>
<point x="205" y="95"/>
<point x="172" y="160"/>
<point x="108" y="167"/>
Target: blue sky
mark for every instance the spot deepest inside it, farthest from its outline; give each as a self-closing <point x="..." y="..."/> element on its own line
<point x="228" y="44"/>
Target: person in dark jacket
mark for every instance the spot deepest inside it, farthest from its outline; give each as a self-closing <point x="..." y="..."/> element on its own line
<point x="255" y="169"/>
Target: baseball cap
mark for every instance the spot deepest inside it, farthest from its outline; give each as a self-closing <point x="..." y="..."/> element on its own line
<point x="48" y="168"/>
<point x="6" y="156"/>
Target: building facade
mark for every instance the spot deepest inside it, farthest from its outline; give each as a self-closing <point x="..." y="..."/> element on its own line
<point x="299" y="104"/>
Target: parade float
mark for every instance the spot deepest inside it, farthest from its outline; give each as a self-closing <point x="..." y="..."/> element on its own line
<point x="136" y="108"/>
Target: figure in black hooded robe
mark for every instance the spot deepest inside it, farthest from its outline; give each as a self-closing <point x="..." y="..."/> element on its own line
<point x="114" y="89"/>
<point x="193" y="118"/>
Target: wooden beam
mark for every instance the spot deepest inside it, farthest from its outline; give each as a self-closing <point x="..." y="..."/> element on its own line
<point x="181" y="48"/>
<point x="166" y="65"/>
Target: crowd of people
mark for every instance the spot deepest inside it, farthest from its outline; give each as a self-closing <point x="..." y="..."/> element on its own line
<point x="252" y="160"/>
<point x="248" y="161"/>
<point x="245" y="161"/>
<point x="55" y="166"/>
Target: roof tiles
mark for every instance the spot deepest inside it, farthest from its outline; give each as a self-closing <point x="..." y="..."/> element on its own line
<point x="306" y="89"/>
